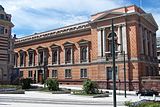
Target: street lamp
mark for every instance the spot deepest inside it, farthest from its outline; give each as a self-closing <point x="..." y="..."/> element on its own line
<point x="114" y="71"/>
<point x="124" y="74"/>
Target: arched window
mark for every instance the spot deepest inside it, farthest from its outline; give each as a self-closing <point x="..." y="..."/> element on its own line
<point x="109" y="39"/>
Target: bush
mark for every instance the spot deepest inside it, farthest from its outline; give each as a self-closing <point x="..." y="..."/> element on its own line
<point x="128" y="104"/>
<point x="26" y="83"/>
<point x="143" y="103"/>
<point x="52" y="84"/>
<point x="90" y="87"/>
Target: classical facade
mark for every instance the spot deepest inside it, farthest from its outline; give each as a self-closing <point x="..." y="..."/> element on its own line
<point x="74" y="53"/>
<point x="6" y="46"/>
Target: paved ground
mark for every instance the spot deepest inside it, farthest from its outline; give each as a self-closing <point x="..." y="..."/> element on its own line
<point x="43" y="99"/>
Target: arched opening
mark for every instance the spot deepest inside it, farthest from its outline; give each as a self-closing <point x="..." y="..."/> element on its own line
<point x="109" y="44"/>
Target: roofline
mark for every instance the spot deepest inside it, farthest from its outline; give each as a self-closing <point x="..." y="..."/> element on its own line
<point x="117" y="8"/>
<point x="54" y="29"/>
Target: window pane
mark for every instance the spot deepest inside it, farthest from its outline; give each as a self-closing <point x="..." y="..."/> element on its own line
<point x="68" y="73"/>
<point x="1" y="30"/>
<point x="54" y="56"/>
<point x="29" y="73"/>
<point x="83" y="73"/>
<point x="68" y="55"/>
<point x="21" y="74"/>
<point x="54" y="73"/>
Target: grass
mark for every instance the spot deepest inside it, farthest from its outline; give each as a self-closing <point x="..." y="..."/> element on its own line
<point x="11" y="86"/>
<point x="81" y="92"/>
<point x="142" y="104"/>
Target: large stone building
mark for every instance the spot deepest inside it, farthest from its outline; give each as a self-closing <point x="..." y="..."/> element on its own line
<point x="76" y="52"/>
<point x="6" y="46"/>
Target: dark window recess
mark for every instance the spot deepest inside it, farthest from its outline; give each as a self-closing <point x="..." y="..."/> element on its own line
<point x="6" y="31"/>
<point x="30" y="74"/>
<point x="83" y="73"/>
<point x="54" y="57"/>
<point x="83" y="53"/>
<point x="31" y="58"/>
<point x="21" y="73"/>
<point x="68" y="55"/>
<point x="1" y="16"/>
<point x="54" y="73"/>
<point x="41" y="57"/>
<point x="109" y="73"/>
<point x="21" y="59"/>
<point x="1" y="30"/>
<point x="68" y="73"/>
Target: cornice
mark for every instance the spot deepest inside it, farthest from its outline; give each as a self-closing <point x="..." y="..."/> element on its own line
<point x="53" y="33"/>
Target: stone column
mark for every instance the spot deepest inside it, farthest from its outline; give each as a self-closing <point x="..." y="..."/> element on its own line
<point x="124" y="37"/>
<point x="119" y="39"/>
<point x="99" y="43"/>
<point x="104" y="42"/>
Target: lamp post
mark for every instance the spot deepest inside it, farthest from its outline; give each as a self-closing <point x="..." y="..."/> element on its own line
<point x="124" y="74"/>
<point x="113" y="68"/>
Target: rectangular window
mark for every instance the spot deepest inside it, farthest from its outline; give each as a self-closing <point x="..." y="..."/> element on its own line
<point x="109" y="73"/>
<point x="15" y="59"/>
<point x="21" y="59"/>
<point x="31" y="59"/>
<point x="1" y="30"/>
<point x="54" y="74"/>
<point x="30" y="74"/>
<point x="54" y="56"/>
<point x="68" y="73"/>
<point x="41" y="58"/>
<point x="21" y="73"/>
<point x="83" y="53"/>
<point x="83" y="73"/>
<point x="68" y="55"/>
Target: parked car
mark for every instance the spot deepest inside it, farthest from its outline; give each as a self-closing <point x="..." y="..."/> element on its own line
<point x="147" y="92"/>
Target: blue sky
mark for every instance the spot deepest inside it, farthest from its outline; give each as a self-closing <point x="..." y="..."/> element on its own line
<point x="33" y="16"/>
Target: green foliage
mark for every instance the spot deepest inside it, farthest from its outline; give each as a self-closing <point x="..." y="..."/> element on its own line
<point x="52" y="84"/>
<point x="11" y="86"/>
<point x="90" y="87"/>
<point x="26" y="83"/>
<point x="128" y="103"/>
<point x="142" y="104"/>
<point x="149" y="104"/>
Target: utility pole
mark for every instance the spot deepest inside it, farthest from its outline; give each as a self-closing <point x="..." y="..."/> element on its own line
<point x="113" y="69"/>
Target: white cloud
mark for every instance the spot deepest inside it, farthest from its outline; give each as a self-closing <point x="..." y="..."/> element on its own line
<point x="44" y="15"/>
<point x="39" y="15"/>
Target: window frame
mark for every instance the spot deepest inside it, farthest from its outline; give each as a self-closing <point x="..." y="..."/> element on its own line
<point x="83" y="73"/>
<point x="68" y="73"/>
<point x="54" y="73"/>
<point x="30" y="74"/>
<point x="110" y="74"/>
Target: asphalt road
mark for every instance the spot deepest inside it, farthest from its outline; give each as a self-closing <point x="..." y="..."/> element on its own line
<point x="43" y="99"/>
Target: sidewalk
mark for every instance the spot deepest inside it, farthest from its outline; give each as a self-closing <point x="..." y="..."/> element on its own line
<point x="79" y="87"/>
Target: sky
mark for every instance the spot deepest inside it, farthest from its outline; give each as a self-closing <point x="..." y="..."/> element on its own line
<point x="34" y="16"/>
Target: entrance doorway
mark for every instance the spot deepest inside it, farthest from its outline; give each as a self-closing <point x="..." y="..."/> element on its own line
<point x="40" y="76"/>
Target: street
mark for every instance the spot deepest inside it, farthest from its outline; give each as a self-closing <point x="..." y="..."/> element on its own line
<point x="43" y="99"/>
